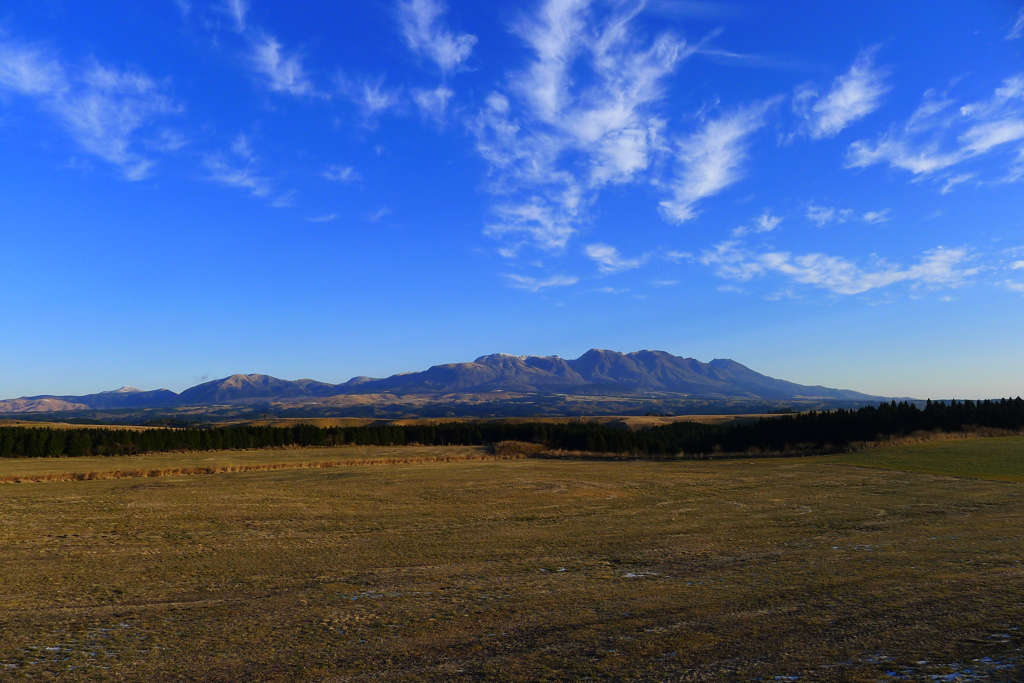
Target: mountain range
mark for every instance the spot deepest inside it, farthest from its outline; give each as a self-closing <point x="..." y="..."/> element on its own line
<point x="596" y="373"/>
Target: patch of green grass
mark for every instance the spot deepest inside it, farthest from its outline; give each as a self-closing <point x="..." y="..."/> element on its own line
<point x="1000" y="458"/>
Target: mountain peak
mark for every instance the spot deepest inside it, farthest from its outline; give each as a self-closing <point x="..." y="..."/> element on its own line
<point x="252" y="377"/>
<point x="123" y="390"/>
<point x="252" y="387"/>
<point x="492" y="358"/>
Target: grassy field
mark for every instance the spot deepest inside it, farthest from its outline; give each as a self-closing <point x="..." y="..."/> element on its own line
<point x="793" y="569"/>
<point x="1001" y="459"/>
<point x="68" y="425"/>
<point x="628" y="421"/>
<point x="28" y="470"/>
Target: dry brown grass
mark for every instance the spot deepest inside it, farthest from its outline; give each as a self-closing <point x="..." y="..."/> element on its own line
<point x="415" y="456"/>
<point x="519" y="449"/>
<point x="630" y="421"/>
<point x="922" y="436"/>
<point x="224" y="469"/>
<point x="324" y="422"/>
<point x="515" y="570"/>
<point x="68" y="425"/>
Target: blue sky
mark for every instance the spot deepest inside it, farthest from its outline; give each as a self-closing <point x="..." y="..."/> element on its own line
<point x="827" y="192"/>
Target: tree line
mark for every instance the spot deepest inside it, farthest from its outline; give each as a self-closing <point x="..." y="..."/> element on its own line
<point x="805" y="432"/>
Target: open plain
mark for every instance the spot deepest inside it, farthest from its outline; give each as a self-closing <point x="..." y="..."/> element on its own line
<point x="840" y="568"/>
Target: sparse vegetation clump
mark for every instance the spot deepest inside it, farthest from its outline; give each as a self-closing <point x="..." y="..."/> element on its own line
<point x="521" y="449"/>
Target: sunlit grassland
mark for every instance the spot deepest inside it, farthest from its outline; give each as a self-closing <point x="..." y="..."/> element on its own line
<point x="1001" y="459"/>
<point x="513" y="570"/>
<point x="17" y="470"/>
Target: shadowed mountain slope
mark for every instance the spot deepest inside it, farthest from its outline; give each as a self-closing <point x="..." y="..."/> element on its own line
<point x="596" y="373"/>
<point x="126" y="397"/>
<point x="243" y="387"/>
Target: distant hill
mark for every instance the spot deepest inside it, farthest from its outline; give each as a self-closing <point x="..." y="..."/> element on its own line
<point x="247" y="387"/>
<point x="126" y="397"/>
<point x="596" y="373"/>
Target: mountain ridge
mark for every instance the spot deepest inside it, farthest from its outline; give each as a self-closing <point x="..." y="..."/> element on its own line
<point x="598" y="372"/>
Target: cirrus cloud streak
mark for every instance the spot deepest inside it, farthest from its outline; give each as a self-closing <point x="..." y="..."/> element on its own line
<point x="937" y="268"/>
<point x="104" y="109"/>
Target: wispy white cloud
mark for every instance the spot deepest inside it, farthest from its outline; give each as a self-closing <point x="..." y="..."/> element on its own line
<point x="712" y="159"/>
<point x="168" y="141"/>
<point x="556" y="37"/>
<point x="284" y="201"/>
<point x="823" y="215"/>
<point x="664" y="283"/>
<point x="30" y="70"/>
<point x="104" y="124"/>
<point x="433" y="104"/>
<point x="327" y="218"/>
<point x="732" y="288"/>
<point x="676" y="256"/>
<point x="878" y="216"/>
<point x="426" y="35"/>
<point x="371" y="95"/>
<point x="731" y="261"/>
<point x="898" y="153"/>
<point x="1017" y="265"/>
<point x="1016" y="170"/>
<point x="240" y="169"/>
<point x="1018" y="26"/>
<point x="341" y="174"/>
<point x="766" y="222"/>
<point x="242" y="146"/>
<point x="1012" y="286"/>
<point x="853" y="96"/>
<point x="609" y="260"/>
<point x="938" y="135"/>
<point x="520" y="159"/>
<point x="184" y="6"/>
<point x="282" y="72"/>
<point x="548" y="224"/>
<point x="103" y="109"/>
<point x="237" y="10"/>
<point x="244" y="177"/>
<point x="937" y="268"/>
<point x="532" y="284"/>
<point x="952" y="181"/>
<point x="379" y="214"/>
<point x="553" y="141"/>
<point x="731" y="57"/>
<point x="376" y="98"/>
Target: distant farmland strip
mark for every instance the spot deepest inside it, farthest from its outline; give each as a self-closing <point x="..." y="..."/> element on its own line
<point x="42" y="477"/>
<point x="803" y="433"/>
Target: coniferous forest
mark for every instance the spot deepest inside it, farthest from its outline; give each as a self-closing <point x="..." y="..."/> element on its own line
<point x="807" y="432"/>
